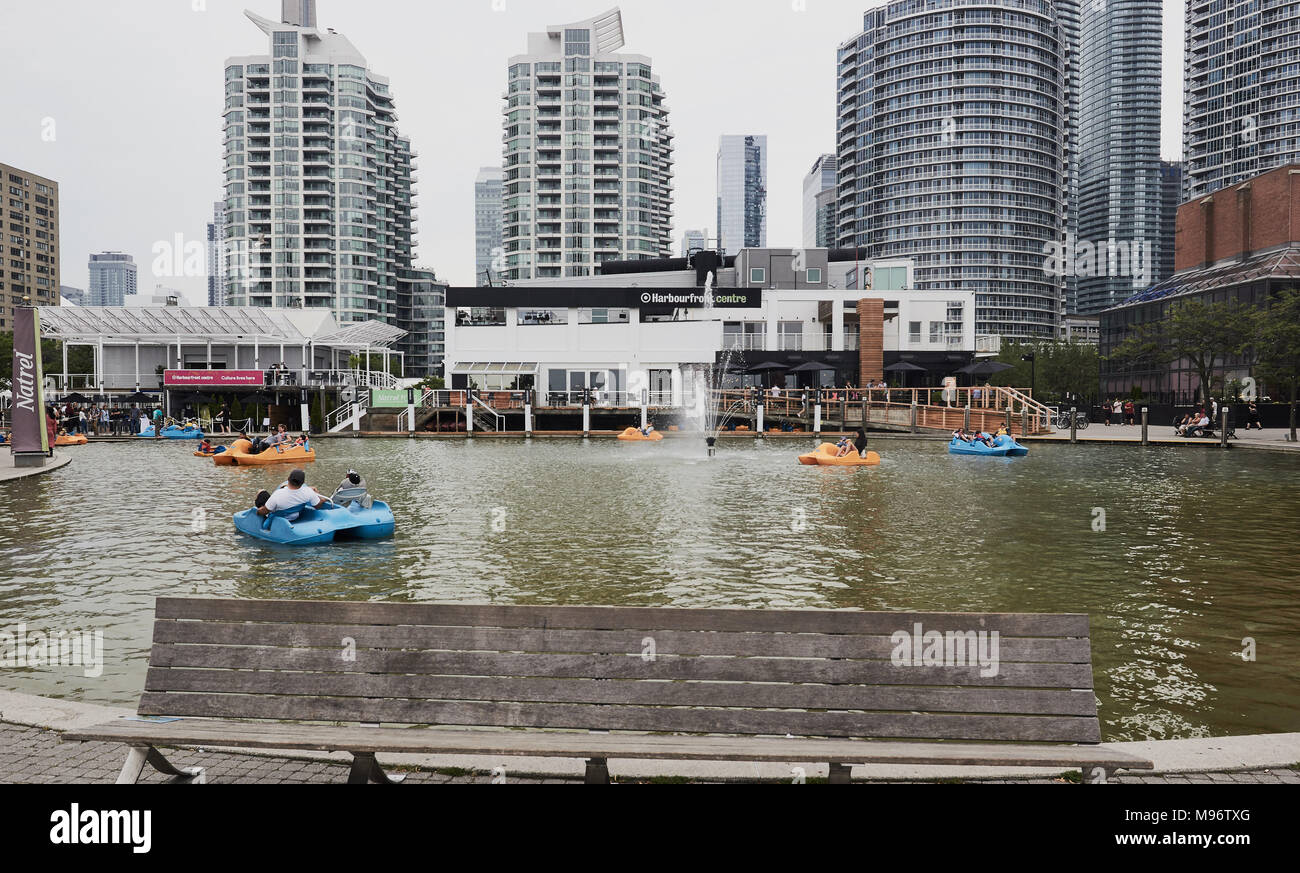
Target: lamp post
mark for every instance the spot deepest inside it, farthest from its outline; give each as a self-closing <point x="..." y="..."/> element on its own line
<point x="1032" y="358"/>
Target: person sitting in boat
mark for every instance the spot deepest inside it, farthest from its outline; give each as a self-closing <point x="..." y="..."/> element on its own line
<point x="860" y="442"/>
<point x="205" y="446"/>
<point x="352" y="489"/>
<point x="1002" y="431"/>
<point x="985" y="438"/>
<point x="647" y="430"/>
<point x="303" y="442"/>
<point x="842" y="447"/>
<point x="292" y="495"/>
<point x="960" y="434"/>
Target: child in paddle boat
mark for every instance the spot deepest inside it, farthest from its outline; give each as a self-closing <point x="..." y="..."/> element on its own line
<point x="842" y="447"/>
<point x="205" y="446"/>
<point x="1002" y="431"/>
<point x="960" y="434"/>
<point x="647" y="430"/>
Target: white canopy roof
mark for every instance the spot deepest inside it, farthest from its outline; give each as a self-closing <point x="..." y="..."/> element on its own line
<point x="168" y="324"/>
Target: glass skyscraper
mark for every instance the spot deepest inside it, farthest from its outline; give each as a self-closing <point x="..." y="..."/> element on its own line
<point x="1241" y="91"/>
<point x="112" y="279"/>
<point x="488" y="245"/>
<point x="318" y="180"/>
<point x="820" y="178"/>
<point x="1120" y="197"/>
<point x="953" y="151"/>
<point x="588" y="155"/>
<point x="742" y="192"/>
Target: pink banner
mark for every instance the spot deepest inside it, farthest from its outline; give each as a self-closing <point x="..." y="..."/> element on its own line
<point x="213" y="378"/>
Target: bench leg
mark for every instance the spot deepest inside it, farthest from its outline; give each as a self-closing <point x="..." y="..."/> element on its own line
<point x="141" y="755"/>
<point x="597" y="771"/>
<point x="841" y="774"/>
<point x="366" y="769"/>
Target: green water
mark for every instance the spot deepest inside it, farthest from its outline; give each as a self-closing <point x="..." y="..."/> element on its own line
<point x="1198" y="551"/>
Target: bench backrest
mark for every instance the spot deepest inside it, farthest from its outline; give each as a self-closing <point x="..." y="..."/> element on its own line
<point x="748" y="672"/>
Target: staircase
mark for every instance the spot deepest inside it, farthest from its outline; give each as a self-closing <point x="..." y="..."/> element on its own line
<point x="349" y="415"/>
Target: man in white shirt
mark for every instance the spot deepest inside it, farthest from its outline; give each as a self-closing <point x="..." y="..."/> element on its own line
<point x="293" y="494"/>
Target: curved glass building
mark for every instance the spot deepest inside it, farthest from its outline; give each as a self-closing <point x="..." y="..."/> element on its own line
<point x="953" y="147"/>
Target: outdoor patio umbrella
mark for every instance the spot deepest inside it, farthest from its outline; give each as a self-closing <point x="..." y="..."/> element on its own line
<point x="986" y="368"/>
<point x="904" y="367"/>
<point x="766" y="366"/>
<point x="812" y="367"/>
<point x="76" y="398"/>
<point x="139" y="397"/>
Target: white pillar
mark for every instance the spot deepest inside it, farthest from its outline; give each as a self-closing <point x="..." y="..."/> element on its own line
<point x="761" y="428"/>
<point x="137" y="365"/>
<point x="410" y="417"/>
<point x="837" y="325"/>
<point x="469" y="413"/>
<point x="586" y="419"/>
<point x="257" y="361"/>
<point x="817" y="418"/>
<point x="528" y="419"/>
<point x="306" y="417"/>
<point x="645" y="415"/>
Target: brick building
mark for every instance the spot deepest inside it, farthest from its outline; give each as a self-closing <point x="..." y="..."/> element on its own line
<point x="1240" y="243"/>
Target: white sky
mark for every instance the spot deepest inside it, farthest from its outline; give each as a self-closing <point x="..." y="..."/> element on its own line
<point x="134" y="91"/>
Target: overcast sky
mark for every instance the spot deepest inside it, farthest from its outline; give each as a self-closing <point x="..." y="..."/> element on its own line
<point x="120" y="102"/>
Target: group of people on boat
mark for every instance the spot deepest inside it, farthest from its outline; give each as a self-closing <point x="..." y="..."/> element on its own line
<point x="858" y="444"/>
<point x="295" y="494"/>
<point x="278" y="441"/>
<point x="979" y="436"/>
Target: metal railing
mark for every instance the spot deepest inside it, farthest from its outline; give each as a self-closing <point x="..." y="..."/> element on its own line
<point x="117" y="383"/>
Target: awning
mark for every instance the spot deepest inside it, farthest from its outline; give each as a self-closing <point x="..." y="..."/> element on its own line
<point x="497" y="368"/>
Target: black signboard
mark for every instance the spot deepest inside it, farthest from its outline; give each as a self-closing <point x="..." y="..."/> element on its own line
<point x="650" y="299"/>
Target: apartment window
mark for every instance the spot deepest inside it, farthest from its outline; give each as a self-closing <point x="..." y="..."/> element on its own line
<point x="757" y="275"/>
<point x="936" y="332"/>
<point x="914" y="331"/>
<point x="814" y="275"/>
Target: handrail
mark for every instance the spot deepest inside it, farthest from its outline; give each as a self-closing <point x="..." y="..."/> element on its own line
<point x="496" y="416"/>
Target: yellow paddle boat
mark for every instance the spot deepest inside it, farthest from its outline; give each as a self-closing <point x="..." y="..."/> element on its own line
<point x="827" y="455"/>
<point x="239" y="455"/>
<point x="634" y="435"/>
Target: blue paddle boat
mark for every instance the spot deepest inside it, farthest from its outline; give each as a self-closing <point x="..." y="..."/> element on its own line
<point x="1003" y="447"/>
<point x="316" y="526"/>
<point x="174" y="432"/>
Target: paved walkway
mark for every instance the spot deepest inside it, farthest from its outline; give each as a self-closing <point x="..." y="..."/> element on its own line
<point x="1269" y="438"/>
<point x="9" y="472"/>
<point x="37" y="755"/>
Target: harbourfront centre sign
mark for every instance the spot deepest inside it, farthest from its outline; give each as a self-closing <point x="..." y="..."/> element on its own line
<point x="213" y="378"/>
<point x="593" y="296"/>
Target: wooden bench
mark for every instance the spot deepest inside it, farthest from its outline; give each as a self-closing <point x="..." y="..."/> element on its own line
<point x="790" y="686"/>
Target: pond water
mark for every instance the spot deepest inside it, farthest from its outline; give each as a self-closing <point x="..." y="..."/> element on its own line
<point x="1197" y="551"/>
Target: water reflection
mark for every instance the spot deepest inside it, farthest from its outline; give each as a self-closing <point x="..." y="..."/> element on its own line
<point x="1198" y="550"/>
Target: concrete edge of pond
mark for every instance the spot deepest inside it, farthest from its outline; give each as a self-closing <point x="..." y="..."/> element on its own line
<point x="10" y="473"/>
<point x="1195" y="755"/>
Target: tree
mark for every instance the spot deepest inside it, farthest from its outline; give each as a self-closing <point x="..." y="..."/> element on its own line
<point x="1277" y="346"/>
<point x="1062" y="368"/>
<point x="81" y="359"/>
<point x="431" y="383"/>
<point x="1204" y="334"/>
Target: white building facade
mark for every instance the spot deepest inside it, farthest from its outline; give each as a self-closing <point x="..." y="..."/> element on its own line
<point x="318" y="181"/>
<point x="588" y="155"/>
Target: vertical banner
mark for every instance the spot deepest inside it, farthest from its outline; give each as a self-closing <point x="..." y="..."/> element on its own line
<point x="29" y="436"/>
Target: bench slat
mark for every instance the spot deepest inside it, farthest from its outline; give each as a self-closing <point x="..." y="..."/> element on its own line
<point x="835" y="672"/>
<point x="711" y="694"/>
<point x="634" y="718"/>
<point x="801" y="645"/>
<point x="616" y="617"/>
<point x="326" y="738"/>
